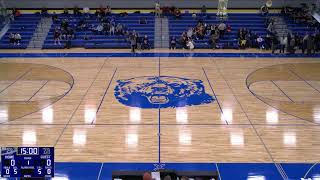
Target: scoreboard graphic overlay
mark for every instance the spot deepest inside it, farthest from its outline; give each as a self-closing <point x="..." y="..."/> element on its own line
<point x="27" y="162"/>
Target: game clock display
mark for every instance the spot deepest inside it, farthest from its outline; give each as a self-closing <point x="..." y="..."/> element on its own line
<point x="27" y="162"/>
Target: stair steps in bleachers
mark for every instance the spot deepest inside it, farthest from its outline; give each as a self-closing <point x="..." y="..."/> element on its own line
<point x="161" y="33"/>
<point x="40" y="33"/>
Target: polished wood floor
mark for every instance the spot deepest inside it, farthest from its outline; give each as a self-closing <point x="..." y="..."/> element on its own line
<point x="267" y="110"/>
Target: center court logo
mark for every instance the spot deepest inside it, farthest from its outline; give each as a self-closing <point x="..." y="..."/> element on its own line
<point x="161" y="92"/>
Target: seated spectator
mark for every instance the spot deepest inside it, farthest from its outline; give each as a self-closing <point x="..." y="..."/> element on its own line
<point x="17" y="38"/>
<point x="56" y="36"/>
<point x="222" y="28"/>
<point x="11" y="39"/>
<point x="173" y="43"/>
<point x="194" y="16"/>
<point x="86" y="37"/>
<point x="112" y="29"/>
<point x="167" y="177"/>
<point x="119" y="29"/>
<point x="213" y="40"/>
<point x="190" y="44"/>
<point x="142" y="20"/>
<point x="261" y="42"/>
<point x="283" y="41"/>
<point x="177" y="13"/>
<point x="184" y="178"/>
<point x="99" y="29"/>
<point x="145" y="43"/>
<point x="147" y="176"/>
<point x="190" y="33"/>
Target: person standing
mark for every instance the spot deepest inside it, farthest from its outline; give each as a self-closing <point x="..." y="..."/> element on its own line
<point x="157" y="9"/>
<point x="283" y="42"/>
<point x="133" y="42"/>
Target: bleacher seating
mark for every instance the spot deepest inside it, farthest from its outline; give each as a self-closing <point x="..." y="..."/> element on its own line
<point x="25" y="25"/>
<point x="301" y="29"/>
<point x="254" y="22"/>
<point x="104" y="41"/>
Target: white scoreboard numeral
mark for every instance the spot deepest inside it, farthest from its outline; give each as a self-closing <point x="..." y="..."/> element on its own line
<point x="7" y="171"/>
<point x="48" y="162"/>
<point x="28" y="162"/>
<point x="13" y="162"/>
<point x="48" y="171"/>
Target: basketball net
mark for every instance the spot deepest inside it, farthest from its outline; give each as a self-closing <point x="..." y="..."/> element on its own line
<point x="222" y="8"/>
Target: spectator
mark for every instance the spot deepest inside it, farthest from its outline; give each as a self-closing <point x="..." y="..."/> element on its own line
<point x="177" y="13"/>
<point x="108" y="11"/>
<point x="190" y="33"/>
<point x="119" y="29"/>
<point x="184" y="178"/>
<point x="213" y="40"/>
<point x="310" y="45"/>
<point x="173" y="43"/>
<point x="261" y="42"/>
<point x="145" y="43"/>
<point x="291" y="45"/>
<point x="305" y="42"/>
<point x="76" y="11"/>
<point x="190" y="44"/>
<point x="222" y="28"/>
<point x="44" y="11"/>
<point x="11" y="39"/>
<point x="133" y="41"/>
<point x="283" y="42"/>
<point x="274" y="44"/>
<point x="68" y="42"/>
<point x="194" y="16"/>
<point x="17" y="38"/>
<point x="204" y="10"/>
<point x="147" y="176"/>
<point x="54" y="17"/>
<point x="99" y="29"/>
<point x="86" y="37"/>
<point x="65" y="11"/>
<point x="157" y="9"/>
<point x="112" y="29"/>
<point x="56" y="36"/>
<point x="167" y="177"/>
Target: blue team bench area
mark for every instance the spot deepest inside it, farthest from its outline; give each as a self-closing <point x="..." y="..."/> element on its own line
<point x="225" y="171"/>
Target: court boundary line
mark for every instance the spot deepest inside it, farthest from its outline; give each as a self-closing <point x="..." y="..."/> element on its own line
<point x="204" y="71"/>
<point x="104" y="95"/>
<point x="159" y="117"/>
<point x="38" y="90"/>
<point x="100" y="171"/>
<point x="282" y="91"/>
<point x="253" y="127"/>
<point x="74" y="112"/>
<point x="218" y="171"/>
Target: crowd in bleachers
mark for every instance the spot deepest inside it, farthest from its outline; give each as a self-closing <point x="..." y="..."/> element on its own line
<point x="103" y="29"/>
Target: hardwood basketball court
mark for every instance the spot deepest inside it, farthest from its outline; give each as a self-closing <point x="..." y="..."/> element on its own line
<point x="263" y="110"/>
